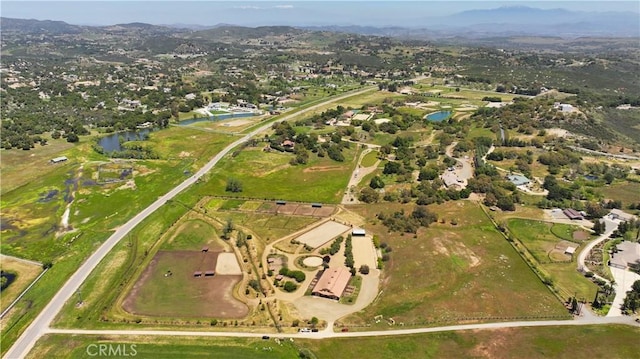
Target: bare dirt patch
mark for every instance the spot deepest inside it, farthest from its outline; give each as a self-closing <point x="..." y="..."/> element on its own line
<point x="184" y="154"/>
<point x="228" y="264"/>
<point x="496" y="347"/>
<point x="364" y="252"/>
<point x="323" y="234"/>
<point x="180" y="294"/>
<point x="236" y="123"/>
<point x="321" y="169"/>
<point x="324" y="211"/>
<point x="580" y="235"/>
<point x="304" y="210"/>
<point x="288" y="208"/>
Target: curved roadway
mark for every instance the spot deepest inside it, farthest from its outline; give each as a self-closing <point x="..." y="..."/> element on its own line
<point x="41" y="324"/>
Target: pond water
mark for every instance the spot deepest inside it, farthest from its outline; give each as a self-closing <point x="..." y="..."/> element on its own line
<point x="111" y="142"/>
<point x="591" y="177"/>
<point x="438" y="116"/>
<point x="10" y="277"/>
<point x="217" y="118"/>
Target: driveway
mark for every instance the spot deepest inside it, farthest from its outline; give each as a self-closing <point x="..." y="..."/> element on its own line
<point x="330" y="310"/>
<point x="624" y="279"/>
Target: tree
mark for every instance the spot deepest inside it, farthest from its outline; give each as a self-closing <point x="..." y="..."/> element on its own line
<point x="228" y="228"/>
<point x="233" y="185"/>
<point x="364" y="269"/>
<point x="428" y="174"/>
<point x="314" y="321"/>
<point x="376" y="182"/>
<point x="368" y="195"/>
<point x="289" y="286"/>
<point x="72" y="137"/>
<point x="598" y="227"/>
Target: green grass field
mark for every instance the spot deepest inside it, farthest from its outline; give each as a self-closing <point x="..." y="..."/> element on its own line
<point x="451" y="273"/>
<point x="192" y="235"/>
<point x="59" y="346"/>
<point x="625" y="191"/>
<point x="370" y="159"/>
<point x="541" y="240"/>
<point x="19" y="167"/>
<point x="613" y="341"/>
<point x="267" y="227"/>
<point x="270" y="176"/>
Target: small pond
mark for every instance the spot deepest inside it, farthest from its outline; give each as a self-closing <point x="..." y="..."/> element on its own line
<point x="438" y="116"/>
<point x="8" y="279"/>
<point x="112" y="142"/>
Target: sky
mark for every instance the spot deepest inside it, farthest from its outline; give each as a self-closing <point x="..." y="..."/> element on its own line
<point x="255" y="13"/>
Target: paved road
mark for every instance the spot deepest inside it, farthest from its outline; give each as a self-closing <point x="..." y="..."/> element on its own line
<point x="41" y="324"/>
<point x="624" y="280"/>
<point x="610" y="226"/>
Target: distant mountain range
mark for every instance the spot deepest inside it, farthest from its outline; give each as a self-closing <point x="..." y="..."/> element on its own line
<point x="509" y="21"/>
<point x="503" y="21"/>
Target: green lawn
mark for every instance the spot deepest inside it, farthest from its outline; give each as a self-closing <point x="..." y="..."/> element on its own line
<point x="370" y="159"/>
<point x="451" y="273"/>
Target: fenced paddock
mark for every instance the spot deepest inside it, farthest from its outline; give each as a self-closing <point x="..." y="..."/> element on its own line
<point x="323" y="234"/>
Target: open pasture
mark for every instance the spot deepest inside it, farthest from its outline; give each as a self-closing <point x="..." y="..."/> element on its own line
<point x="547" y="243"/>
<point x="541" y="240"/>
<point x="266" y="226"/>
<point x="19" y="167"/>
<point x="192" y="235"/>
<point x="452" y="273"/>
<point x="617" y="341"/>
<point x="22" y="273"/>
<point x="269" y="175"/>
<point x="168" y="288"/>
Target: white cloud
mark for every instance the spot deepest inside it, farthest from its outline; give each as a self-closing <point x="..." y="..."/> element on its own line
<point x="247" y="7"/>
<point x="284" y="6"/>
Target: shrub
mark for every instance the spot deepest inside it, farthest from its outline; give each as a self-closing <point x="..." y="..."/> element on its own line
<point x="289" y="286"/>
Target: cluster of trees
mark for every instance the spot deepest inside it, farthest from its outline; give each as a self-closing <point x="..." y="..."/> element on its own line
<point x="498" y="191"/>
<point x="348" y="254"/>
<point x="399" y="221"/>
<point x="334" y="248"/>
<point x="131" y="150"/>
<point x="303" y="143"/>
<point x="299" y="276"/>
<point x="632" y="300"/>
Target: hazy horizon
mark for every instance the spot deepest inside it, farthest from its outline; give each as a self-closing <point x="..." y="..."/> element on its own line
<point x="257" y="13"/>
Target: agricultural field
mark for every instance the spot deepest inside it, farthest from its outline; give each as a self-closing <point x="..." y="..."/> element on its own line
<point x="453" y="272"/>
<point x="614" y="341"/>
<point x="547" y="243"/>
<point x="169" y="288"/>
<point x="59" y="346"/>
